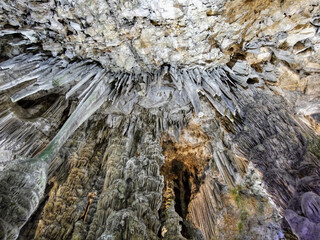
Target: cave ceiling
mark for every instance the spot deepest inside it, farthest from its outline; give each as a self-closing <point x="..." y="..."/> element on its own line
<point x="169" y="119"/>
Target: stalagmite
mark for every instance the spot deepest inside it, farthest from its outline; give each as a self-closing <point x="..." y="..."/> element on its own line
<point x="23" y="181"/>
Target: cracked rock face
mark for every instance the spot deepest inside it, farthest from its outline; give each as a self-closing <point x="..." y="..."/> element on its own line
<point x="170" y="119"/>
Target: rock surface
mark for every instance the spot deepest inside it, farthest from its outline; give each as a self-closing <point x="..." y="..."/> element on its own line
<point x="171" y="119"/>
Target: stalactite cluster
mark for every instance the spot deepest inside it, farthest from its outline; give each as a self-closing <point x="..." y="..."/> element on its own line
<point x="170" y="119"/>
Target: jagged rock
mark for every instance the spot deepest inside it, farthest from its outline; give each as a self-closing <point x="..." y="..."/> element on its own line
<point x="310" y="206"/>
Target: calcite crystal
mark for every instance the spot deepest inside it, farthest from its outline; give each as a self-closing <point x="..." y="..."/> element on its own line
<point x="170" y="119"/>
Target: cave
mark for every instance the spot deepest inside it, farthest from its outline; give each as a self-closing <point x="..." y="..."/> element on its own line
<point x="169" y="119"/>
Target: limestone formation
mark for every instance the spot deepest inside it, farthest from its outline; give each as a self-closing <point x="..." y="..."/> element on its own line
<point x="170" y="119"/>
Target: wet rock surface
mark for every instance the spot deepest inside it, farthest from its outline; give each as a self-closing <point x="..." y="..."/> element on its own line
<point x="159" y="120"/>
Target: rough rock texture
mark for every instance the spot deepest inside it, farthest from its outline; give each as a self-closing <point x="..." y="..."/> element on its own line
<point x="171" y="119"/>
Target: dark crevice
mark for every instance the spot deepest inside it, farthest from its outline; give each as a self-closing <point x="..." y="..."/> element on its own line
<point x="135" y="152"/>
<point x="252" y="80"/>
<point x="34" y="108"/>
<point x="182" y="188"/>
<point x="65" y="115"/>
<point x="183" y="174"/>
<point x="183" y="192"/>
<point x="47" y="100"/>
<point x="235" y="57"/>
